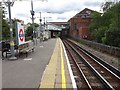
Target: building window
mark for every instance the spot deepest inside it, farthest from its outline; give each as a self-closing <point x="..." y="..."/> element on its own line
<point x="75" y="26"/>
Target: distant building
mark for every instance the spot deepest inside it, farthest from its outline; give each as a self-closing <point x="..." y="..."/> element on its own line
<point x="79" y="24"/>
<point x="63" y="25"/>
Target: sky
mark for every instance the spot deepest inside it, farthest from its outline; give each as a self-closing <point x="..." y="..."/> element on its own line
<point x="52" y="10"/>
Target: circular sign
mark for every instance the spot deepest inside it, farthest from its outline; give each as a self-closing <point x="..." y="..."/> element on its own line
<point x="21" y="35"/>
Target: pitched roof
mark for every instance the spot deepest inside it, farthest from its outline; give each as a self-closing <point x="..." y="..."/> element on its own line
<point x="85" y="13"/>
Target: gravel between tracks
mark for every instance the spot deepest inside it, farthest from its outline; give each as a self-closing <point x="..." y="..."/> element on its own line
<point x="110" y="59"/>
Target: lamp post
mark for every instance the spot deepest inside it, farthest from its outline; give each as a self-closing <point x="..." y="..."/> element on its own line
<point x="40" y="18"/>
<point x="40" y="28"/>
<point x="10" y="3"/>
<point x="46" y="21"/>
<point x="40" y="21"/>
<point x="33" y="13"/>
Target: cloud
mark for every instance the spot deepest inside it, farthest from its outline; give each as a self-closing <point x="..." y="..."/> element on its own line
<point x="66" y="15"/>
<point x="22" y="15"/>
<point x="92" y="4"/>
<point x="60" y="9"/>
<point x="61" y="6"/>
<point x="58" y="6"/>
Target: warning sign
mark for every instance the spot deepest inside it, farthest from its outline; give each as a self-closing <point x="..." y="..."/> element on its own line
<point x="20" y="33"/>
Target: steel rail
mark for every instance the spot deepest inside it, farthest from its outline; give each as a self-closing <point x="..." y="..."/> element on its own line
<point x="110" y="67"/>
<point x="80" y="70"/>
<point x="106" y="83"/>
<point x="101" y="64"/>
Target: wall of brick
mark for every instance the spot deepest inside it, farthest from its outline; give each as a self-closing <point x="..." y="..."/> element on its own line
<point x="79" y="25"/>
<point x="82" y="28"/>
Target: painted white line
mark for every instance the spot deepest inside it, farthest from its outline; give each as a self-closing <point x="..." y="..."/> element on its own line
<point x="44" y="42"/>
<point x="69" y="68"/>
<point x="27" y="59"/>
<point x="41" y="46"/>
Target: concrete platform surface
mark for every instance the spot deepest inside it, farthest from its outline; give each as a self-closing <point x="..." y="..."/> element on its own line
<point x="26" y="72"/>
<point x="47" y="67"/>
<point x="57" y="73"/>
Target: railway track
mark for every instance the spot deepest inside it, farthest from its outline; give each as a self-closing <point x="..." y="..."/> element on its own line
<point x="89" y="72"/>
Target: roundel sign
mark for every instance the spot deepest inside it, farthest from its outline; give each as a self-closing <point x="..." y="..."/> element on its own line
<point x="21" y="34"/>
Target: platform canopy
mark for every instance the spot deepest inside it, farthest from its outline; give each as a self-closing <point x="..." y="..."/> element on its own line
<point x="50" y="26"/>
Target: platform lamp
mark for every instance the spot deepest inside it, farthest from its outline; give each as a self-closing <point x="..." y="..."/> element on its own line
<point x="33" y="13"/>
<point x="40" y="20"/>
<point x="40" y="28"/>
<point x="10" y="3"/>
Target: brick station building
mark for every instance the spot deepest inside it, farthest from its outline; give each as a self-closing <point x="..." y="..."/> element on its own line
<point x="79" y="24"/>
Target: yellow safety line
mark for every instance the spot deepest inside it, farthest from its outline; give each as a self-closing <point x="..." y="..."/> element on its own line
<point x="62" y="69"/>
<point x="48" y="77"/>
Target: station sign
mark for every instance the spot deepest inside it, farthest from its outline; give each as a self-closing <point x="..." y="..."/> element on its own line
<point x="20" y="33"/>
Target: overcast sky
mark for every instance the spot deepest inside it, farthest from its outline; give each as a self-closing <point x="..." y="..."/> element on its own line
<point x="60" y="10"/>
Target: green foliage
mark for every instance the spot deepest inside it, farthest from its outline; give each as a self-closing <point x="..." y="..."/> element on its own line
<point x="100" y="34"/>
<point x="93" y="27"/>
<point x="96" y="17"/>
<point x="29" y="30"/>
<point x="58" y="34"/>
<point x="113" y="37"/>
<point x="5" y="30"/>
<point x="5" y="26"/>
<point x="0" y="22"/>
<point x="105" y="28"/>
<point x="107" y="5"/>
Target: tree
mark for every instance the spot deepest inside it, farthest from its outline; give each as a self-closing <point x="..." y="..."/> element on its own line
<point x="5" y="30"/>
<point x="113" y="33"/>
<point x="105" y="28"/>
<point x="113" y="37"/>
<point x="0" y="21"/>
<point x="5" y="26"/>
<point x="96" y="22"/>
<point x="107" y="5"/>
<point x="29" y="31"/>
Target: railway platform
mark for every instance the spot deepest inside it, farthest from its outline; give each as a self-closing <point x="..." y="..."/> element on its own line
<point x="58" y="73"/>
<point x="47" y="67"/>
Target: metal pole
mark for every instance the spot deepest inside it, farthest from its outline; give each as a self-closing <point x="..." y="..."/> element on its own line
<point x="44" y="23"/>
<point x="40" y="17"/>
<point x="40" y="29"/>
<point x="11" y="33"/>
<point x="40" y="20"/>
<point x="32" y="13"/>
